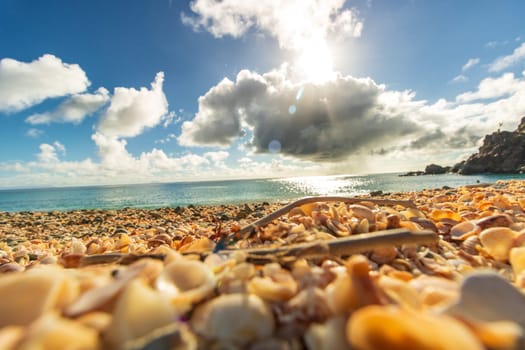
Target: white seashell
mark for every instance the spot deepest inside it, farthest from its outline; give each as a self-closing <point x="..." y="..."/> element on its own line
<point x="54" y="332"/>
<point x="362" y="212"/>
<point x="517" y="260"/>
<point x="470" y="245"/>
<point x="498" y="241"/>
<point x="327" y="336"/>
<point x="139" y="311"/>
<point x="234" y="319"/>
<point x="186" y="282"/>
<point x="26" y="296"/>
<point x="501" y="301"/>
<point x="101" y="295"/>
<point x="277" y="284"/>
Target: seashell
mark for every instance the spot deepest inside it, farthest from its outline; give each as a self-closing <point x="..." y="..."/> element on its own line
<point x="464" y="230"/>
<point x="471" y="244"/>
<point x="440" y="214"/>
<point x="393" y="221"/>
<point x="172" y="336"/>
<point x="310" y="305"/>
<point x="499" y="220"/>
<point x="277" y="284"/>
<point x="411" y="225"/>
<point x="501" y="300"/>
<point x="390" y="327"/>
<point x="363" y="212"/>
<point x="77" y="247"/>
<point x="400" y="291"/>
<point x="54" y="332"/>
<point x="517" y="260"/>
<point x="123" y="243"/>
<point x="26" y="296"/>
<point x="435" y="291"/>
<point x="498" y="335"/>
<point x="340" y="295"/>
<point x="97" y="320"/>
<point x="363" y="226"/>
<point x="411" y="213"/>
<point x="234" y="319"/>
<point x="10" y="336"/>
<point x="186" y="282"/>
<point x="497" y="242"/>
<point x="11" y="267"/>
<point x="425" y="223"/>
<point x="160" y="239"/>
<point x="327" y="336"/>
<point x="365" y="289"/>
<point x="69" y="260"/>
<point x="200" y="245"/>
<point x="383" y="255"/>
<point x="138" y="312"/>
<point x="337" y="228"/>
<point x="100" y="296"/>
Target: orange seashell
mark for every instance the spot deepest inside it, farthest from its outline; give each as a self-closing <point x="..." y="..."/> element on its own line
<point x="464" y="230"/>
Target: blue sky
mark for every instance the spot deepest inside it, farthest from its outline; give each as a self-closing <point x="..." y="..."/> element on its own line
<point x="101" y="92"/>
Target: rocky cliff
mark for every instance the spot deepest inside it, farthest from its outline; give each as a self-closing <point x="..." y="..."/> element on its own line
<point x="501" y="152"/>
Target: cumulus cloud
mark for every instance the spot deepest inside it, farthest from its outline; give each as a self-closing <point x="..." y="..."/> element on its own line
<point x="470" y="63"/>
<point x="48" y="153"/>
<point x="294" y="23"/>
<point x="493" y="88"/>
<point x="23" y="85"/>
<point x="505" y="62"/>
<point x="131" y="111"/>
<point x="321" y="122"/>
<point x="73" y="110"/>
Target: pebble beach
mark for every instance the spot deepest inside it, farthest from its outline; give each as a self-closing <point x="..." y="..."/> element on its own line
<point x="388" y="271"/>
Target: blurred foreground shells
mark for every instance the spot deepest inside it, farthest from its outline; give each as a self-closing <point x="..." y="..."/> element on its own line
<point x="271" y="276"/>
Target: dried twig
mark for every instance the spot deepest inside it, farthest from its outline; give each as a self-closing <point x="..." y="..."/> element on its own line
<point x="344" y="246"/>
<point x="246" y="231"/>
<point x="117" y="258"/>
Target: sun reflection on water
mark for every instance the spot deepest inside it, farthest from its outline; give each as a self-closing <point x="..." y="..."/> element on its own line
<point x="336" y="185"/>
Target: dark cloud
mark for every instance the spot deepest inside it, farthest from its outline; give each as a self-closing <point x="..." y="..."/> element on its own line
<point x="321" y="122"/>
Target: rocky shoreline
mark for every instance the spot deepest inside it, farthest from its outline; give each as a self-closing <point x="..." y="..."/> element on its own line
<point x="325" y="273"/>
<point x="502" y="152"/>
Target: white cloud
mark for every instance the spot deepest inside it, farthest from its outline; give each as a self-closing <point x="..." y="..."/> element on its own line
<point x="217" y="157"/>
<point x="329" y="121"/>
<point x="34" y="132"/>
<point x="131" y="111"/>
<point x="112" y="151"/>
<point x="48" y="153"/>
<point x="493" y="88"/>
<point x="470" y="63"/>
<point x="294" y="23"/>
<point x="23" y="85"/>
<point x="459" y="79"/>
<point x="505" y="62"/>
<point x="73" y="110"/>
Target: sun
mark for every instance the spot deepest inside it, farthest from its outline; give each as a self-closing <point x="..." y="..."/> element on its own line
<point x="315" y="62"/>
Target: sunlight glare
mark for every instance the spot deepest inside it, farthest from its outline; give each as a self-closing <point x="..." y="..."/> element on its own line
<point x="315" y="62"/>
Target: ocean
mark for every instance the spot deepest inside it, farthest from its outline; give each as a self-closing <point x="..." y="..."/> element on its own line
<point x="224" y="192"/>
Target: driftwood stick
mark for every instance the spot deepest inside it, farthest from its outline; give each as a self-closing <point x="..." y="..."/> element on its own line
<point x="117" y="258"/>
<point x="248" y="230"/>
<point x="345" y="246"/>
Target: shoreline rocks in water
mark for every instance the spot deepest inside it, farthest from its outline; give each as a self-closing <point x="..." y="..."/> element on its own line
<point x="162" y="278"/>
<point x="502" y="152"/>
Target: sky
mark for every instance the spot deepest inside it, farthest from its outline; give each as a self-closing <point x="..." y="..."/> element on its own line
<point x="137" y="91"/>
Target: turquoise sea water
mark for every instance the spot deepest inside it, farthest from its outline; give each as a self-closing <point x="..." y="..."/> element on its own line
<point x="223" y="192"/>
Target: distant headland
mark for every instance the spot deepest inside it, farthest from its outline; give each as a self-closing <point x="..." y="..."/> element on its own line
<point x="502" y="152"/>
